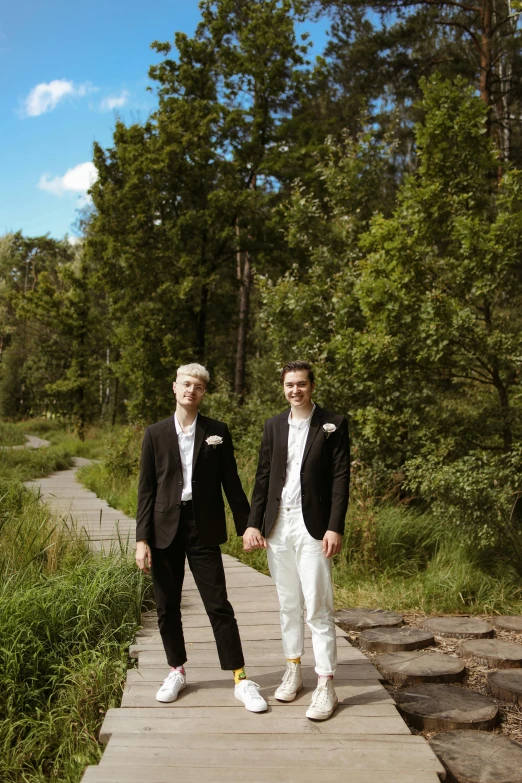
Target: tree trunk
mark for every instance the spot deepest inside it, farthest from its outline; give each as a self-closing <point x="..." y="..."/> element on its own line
<point x="202" y="323"/>
<point x="244" y="311"/>
<point x="486" y="53"/>
<point x="115" y="403"/>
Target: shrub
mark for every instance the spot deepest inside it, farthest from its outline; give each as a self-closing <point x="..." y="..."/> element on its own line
<point x="475" y="497"/>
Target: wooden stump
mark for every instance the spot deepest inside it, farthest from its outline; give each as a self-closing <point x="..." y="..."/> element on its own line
<point x="493" y="653"/>
<point x="394" y="639"/>
<point x="477" y="757"/>
<point x="506" y="685"/>
<point x="508" y="622"/>
<point x="446" y="707"/>
<point x="408" y="668"/>
<point x="358" y="619"/>
<point x="460" y="627"/>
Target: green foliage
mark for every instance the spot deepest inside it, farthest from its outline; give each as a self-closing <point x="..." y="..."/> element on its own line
<point x="475" y="497"/>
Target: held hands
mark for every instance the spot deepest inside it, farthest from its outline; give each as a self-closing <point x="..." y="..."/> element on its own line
<point x="332" y="543"/>
<point x="143" y="556"/>
<point x="252" y="539"/>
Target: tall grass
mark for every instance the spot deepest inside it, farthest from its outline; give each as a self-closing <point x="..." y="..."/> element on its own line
<point x="10" y="435"/>
<point x="67" y="616"/>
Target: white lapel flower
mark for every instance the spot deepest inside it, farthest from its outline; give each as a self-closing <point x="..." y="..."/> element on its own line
<point x="214" y="440"/>
<point x="328" y="429"/>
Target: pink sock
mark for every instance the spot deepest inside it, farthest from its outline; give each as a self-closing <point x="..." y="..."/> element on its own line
<point x="178" y="669"/>
<point x="323" y="678"/>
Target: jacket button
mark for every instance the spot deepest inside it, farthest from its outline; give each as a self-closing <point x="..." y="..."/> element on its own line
<point x="178" y="505"/>
<point x="180" y="483"/>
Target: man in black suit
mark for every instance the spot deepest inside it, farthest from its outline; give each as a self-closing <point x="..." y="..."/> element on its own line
<point x="185" y="461"/>
<point x="299" y="501"/>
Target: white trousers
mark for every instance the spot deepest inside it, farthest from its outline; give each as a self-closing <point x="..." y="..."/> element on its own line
<point x="302" y="575"/>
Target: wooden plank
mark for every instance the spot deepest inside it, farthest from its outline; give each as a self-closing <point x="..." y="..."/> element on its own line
<point x="208" y="659"/>
<point x="249" y="633"/>
<point x="141" y="774"/>
<point x="278" y="710"/>
<point x="195" y="695"/>
<point x="289" y="742"/>
<point x="270" y="674"/>
<point x="191" y="620"/>
<point x="354" y="724"/>
<point x="348" y="752"/>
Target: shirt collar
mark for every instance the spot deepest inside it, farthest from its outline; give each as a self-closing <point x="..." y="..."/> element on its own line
<point x="299" y="422"/>
<point x="191" y="428"/>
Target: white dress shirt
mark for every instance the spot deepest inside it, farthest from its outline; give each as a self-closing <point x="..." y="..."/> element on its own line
<point x="186" y="452"/>
<point x="297" y="435"/>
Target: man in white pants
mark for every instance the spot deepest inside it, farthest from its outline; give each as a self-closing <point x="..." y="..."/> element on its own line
<point x="299" y="501"/>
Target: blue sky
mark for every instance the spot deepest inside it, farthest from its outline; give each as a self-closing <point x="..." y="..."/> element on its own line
<point x="66" y="69"/>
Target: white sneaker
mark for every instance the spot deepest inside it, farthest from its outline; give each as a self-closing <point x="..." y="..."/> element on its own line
<point x="172" y="685"/>
<point x="324" y="702"/>
<point x="247" y="691"/>
<point x="292" y="682"/>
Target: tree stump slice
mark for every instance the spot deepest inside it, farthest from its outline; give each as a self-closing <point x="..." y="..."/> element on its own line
<point x="492" y="652"/>
<point x="506" y="685"/>
<point x="394" y="639"/>
<point x="358" y="619"/>
<point x="445" y="707"/>
<point x="478" y="757"/>
<point x="508" y="622"/>
<point x="409" y="668"/>
<point x="459" y="627"/>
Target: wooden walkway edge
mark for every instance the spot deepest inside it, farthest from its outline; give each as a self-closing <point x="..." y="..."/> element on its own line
<point x="207" y="735"/>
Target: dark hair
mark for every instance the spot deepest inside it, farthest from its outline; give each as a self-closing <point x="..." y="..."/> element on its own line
<point x="293" y="366"/>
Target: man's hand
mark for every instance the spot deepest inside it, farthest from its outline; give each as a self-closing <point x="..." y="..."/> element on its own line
<point x="332" y="543"/>
<point x="143" y="556"/>
<point x="252" y="539"/>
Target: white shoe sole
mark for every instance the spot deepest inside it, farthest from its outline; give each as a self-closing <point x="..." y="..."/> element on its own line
<point x="313" y="715"/>
<point x="287" y="696"/>
<point x="253" y="709"/>
<point x="165" y="700"/>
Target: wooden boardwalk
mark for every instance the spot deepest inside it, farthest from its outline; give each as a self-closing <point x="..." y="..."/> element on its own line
<point x="82" y="510"/>
<point x="207" y="735"/>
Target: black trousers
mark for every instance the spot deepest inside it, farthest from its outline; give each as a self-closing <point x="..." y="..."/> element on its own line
<point x="206" y="564"/>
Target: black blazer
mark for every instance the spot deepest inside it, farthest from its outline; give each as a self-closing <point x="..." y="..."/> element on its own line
<point x="161" y="484"/>
<point x="325" y="474"/>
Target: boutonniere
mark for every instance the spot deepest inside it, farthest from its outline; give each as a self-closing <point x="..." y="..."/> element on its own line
<point x="214" y="440"/>
<point x="328" y="429"/>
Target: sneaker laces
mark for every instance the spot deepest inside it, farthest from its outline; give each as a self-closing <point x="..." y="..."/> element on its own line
<point x="288" y="676"/>
<point x="251" y="687"/>
<point x="320" y="696"/>
<point x="173" y="676"/>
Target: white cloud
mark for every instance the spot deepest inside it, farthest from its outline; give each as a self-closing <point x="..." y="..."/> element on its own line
<point x="76" y="180"/>
<point x="114" y="101"/>
<point x="46" y="96"/>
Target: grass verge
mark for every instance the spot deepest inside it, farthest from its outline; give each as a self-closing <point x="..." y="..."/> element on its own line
<point x="67" y="616"/>
<point x="11" y="435"/>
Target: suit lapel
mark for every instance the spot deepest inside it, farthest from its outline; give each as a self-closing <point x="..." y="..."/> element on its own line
<point x="173" y="439"/>
<point x="315" y="426"/>
<point x="201" y="428"/>
<point x="283" y="434"/>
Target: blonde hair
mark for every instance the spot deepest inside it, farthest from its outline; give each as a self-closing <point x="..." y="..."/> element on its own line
<point x="195" y="371"/>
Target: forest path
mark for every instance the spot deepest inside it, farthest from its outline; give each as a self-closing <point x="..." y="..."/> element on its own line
<point x="207" y="735"/>
<point x="83" y="510"/>
<point x="31" y="442"/>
